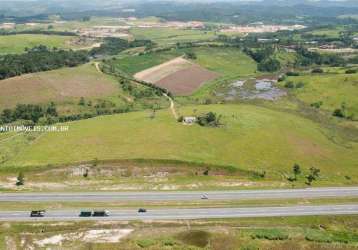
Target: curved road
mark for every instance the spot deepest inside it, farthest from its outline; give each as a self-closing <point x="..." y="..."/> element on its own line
<point x="181" y="196"/>
<point x="199" y="213"/>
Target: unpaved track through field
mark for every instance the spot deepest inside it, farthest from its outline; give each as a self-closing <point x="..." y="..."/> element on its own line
<point x="172" y="106"/>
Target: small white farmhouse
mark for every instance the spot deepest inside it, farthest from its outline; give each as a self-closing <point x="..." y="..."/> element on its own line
<point x="189" y="120"/>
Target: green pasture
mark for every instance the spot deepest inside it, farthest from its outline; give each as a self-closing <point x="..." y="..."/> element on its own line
<point x="18" y="43"/>
<point x="251" y="138"/>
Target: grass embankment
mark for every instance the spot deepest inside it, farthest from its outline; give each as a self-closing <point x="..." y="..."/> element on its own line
<point x="311" y="232"/>
<point x="252" y="138"/>
<point x="18" y="43"/>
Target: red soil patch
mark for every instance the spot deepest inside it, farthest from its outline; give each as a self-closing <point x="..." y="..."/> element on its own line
<point x="186" y="81"/>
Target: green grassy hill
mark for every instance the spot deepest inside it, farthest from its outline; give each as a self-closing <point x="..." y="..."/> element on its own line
<point x="252" y="138"/>
<point x="226" y="61"/>
<point x="57" y="85"/>
<point x="331" y="89"/>
<point x="18" y="43"/>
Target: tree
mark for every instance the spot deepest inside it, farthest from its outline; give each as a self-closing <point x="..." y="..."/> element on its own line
<point x="82" y="101"/>
<point x="190" y="55"/>
<point x="296" y="169"/>
<point x="314" y="174"/>
<point x="20" y="179"/>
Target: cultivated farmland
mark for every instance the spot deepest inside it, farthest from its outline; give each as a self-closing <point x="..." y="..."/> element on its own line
<point x="186" y="81"/>
<point x="179" y="76"/>
<point x="163" y="70"/>
<point x="210" y="64"/>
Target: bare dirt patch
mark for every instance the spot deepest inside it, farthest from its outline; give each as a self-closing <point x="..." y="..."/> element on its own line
<point x="186" y="81"/>
<point x="158" y="72"/>
<point x="92" y="236"/>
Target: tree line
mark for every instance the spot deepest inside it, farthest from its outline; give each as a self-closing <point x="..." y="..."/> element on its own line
<point x="39" y="58"/>
<point x="113" y="46"/>
<point x="42" y="58"/>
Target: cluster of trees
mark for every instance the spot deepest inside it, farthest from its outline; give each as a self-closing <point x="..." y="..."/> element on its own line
<point x="210" y="119"/>
<point x="28" y="112"/>
<point x="113" y="46"/>
<point x="313" y="174"/>
<point x="138" y="92"/>
<point x="108" y="68"/>
<point x="264" y="58"/>
<point x="307" y="58"/>
<point x="38" y="59"/>
<point x="260" y="55"/>
<point x="269" y="65"/>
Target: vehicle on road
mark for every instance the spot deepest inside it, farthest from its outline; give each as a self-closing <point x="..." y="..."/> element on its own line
<point x="204" y="197"/>
<point x="100" y="213"/>
<point x="142" y="210"/>
<point x="37" y="213"/>
<point x="85" y="214"/>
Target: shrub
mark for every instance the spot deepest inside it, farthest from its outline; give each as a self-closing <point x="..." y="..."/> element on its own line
<point x="317" y="105"/>
<point x="289" y="85"/>
<point x="345" y="237"/>
<point x="190" y="55"/>
<point x="291" y="73"/>
<point x="270" y="234"/>
<point x="317" y="71"/>
<point x="317" y="236"/>
<point x="20" y="179"/>
<point x="300" y="85"/>
<point x="351" y="71"/>
<point x="145" y="243"/>
<point x="338" y="113"/>
<point x="82" y="101"/>
<point x="195" y="237"/>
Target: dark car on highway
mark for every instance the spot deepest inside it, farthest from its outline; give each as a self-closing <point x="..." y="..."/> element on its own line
<point x="37" y="213"/>
<point x="85" y="214"/>
<point x="100" y="213"/>
<point x="142" y="210"/>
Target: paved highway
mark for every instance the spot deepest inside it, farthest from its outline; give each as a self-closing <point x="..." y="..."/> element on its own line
<point x="199" y="213"/>
<point x="181" y="196"/>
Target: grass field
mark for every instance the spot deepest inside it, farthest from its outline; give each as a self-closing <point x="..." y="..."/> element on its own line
<point x="135" y="64"/>
<point x="226" y="61"/>
<point x="18" y="43"/>
<point x="57" y="85"/>
<point x="328" y="32"/>
<point x="252" y="138"/>
<point x="331" y="89"/>
<point x="171" y="35"/>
